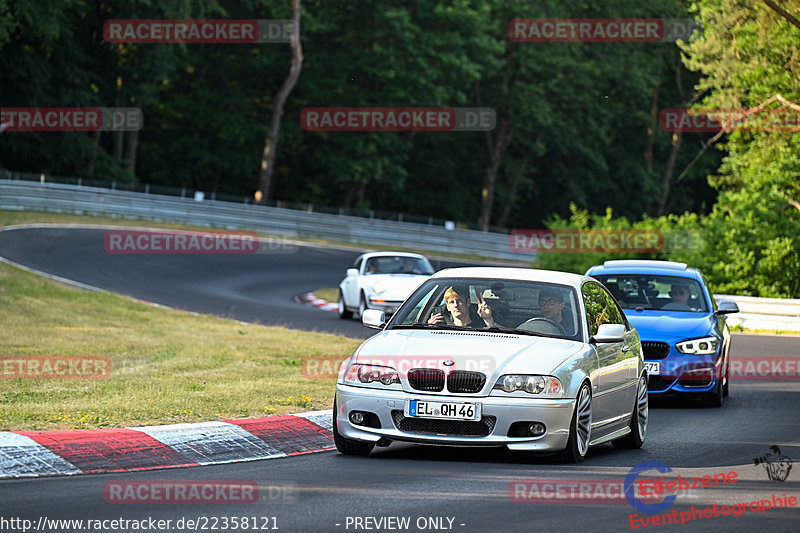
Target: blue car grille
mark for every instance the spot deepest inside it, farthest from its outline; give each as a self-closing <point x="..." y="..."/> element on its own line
<point x="654" y="349"/>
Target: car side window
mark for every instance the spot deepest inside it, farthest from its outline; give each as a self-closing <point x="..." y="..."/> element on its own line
<point x="614" y="313"/>
<point x="357" y="264"/>
<point x="597" y="308"/>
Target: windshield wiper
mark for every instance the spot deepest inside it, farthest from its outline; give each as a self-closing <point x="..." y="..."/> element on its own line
<point x="425" y="325"/>
<point x="499" y="329"/>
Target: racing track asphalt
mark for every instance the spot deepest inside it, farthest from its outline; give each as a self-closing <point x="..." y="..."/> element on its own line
<point x="256" y="288"/>
<point x="469" y="485"/>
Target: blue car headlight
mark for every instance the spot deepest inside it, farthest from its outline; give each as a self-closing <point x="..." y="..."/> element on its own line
<point x="704" y="346"/>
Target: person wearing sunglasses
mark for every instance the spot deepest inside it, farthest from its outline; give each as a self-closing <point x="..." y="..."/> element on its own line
<point x="680" y="294"/>
<point x="552" y="305"/>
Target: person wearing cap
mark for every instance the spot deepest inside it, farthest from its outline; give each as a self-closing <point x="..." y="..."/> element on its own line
<point x="551" y="302"/>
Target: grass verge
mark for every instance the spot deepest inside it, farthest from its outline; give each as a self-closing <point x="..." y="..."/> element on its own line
<point x="168" y="366"/>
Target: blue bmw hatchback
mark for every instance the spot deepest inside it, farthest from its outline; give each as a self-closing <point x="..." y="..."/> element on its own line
<point x="685" y="339"/>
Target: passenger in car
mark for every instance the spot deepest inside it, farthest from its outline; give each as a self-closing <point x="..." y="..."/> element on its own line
<point x="679" y="301"/>
<point x="552" y="305"/>
<point x="457" y="301"/>
<point x="680" y="294"/>
<point x="372" y="266"/>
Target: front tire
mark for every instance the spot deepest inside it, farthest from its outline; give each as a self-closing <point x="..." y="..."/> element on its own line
<point x="580" y="430"/>
<point x="725" y="388"/>
<point x="641" y="412"/>
<point x="362" y="306"/>
<point x="347" y="446"/>
<point x="344" y="314"/>
<point x="714" y="399"/>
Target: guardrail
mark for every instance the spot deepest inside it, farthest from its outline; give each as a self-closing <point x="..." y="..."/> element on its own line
<point x="756" y="313"/>
<point x="66" y="198"/>
<point x="764" y="313"/>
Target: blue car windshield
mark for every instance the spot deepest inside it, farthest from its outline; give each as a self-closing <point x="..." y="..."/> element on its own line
<point x="647" y="291"/>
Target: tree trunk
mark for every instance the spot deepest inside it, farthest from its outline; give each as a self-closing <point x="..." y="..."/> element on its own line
<point x="131" y="144"/>
<point x="271" y="145"/>
<point x="512" y="193"/>
<point x="669" y="171"/>
<point x="95" y="149"/>
<point x="496" y="149"/>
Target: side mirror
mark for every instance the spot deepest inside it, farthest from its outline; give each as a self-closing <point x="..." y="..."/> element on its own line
<point x="609" y="333"/>
<point x="726" y="306"/>
<point x="374" y="319"/>
<point x="351" y="272"/>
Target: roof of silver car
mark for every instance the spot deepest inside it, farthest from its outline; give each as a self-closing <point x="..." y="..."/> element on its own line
<point x="523" y="274"/>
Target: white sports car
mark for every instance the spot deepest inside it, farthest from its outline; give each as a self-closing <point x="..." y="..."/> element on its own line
<point x="381" y="280"/>
<point x="529" y="359"/>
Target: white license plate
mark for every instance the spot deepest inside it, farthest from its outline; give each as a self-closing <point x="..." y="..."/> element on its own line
<point x="455" y="411"/>
<point x="653" y="367"/>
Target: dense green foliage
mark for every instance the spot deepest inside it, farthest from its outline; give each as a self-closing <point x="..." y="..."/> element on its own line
<point x="578" y="114"/>
<point x="750" y="243"/>
<point x="577" y="123"/>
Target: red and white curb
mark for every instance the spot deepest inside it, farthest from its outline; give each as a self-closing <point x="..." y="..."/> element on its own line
<point x="309" y="299"/>
<point x="87" y="451"/>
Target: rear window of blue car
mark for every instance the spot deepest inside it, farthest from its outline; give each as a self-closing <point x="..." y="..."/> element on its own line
<point x="647" y="291"/>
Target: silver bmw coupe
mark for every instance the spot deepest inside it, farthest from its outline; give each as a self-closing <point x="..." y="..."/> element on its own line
<point x="533" y="360"/>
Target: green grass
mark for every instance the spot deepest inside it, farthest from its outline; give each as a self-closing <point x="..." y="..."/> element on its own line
<point x="167" y="366"/>
<point x="328" y="294"/>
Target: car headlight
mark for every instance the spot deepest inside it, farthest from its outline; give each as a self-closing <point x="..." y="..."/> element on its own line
<point x="704" y="346"/>
<point x="362" y="374"/>
<point x="378" y="287"/>
<point x="533" y="384"/>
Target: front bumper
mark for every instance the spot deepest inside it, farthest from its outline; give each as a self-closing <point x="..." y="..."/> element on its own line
<point x="685" y="374"/>
<point x="555" y="414"/>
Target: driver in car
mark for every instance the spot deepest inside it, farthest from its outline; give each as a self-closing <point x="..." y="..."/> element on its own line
<point x="552" y="304"/>
<point x="458" y="305"/>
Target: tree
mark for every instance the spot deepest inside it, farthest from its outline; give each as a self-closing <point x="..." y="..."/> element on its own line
<point x="271" y="146"/>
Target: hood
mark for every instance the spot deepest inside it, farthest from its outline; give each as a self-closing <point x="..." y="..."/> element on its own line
<point x="396" y="286"/>
<point x="670" y="326"/>
<point x="493" y="354"/>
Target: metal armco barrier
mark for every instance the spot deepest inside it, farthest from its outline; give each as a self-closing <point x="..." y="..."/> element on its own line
<point x="764" y="313"/>
<point x="65" y="198"/>
<point x="756" y="313"/>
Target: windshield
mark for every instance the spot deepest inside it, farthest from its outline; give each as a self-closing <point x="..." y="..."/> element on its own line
<point x="397" y="264"/>
<point x="666" y="293"/>
<point x="499" y="305"/>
